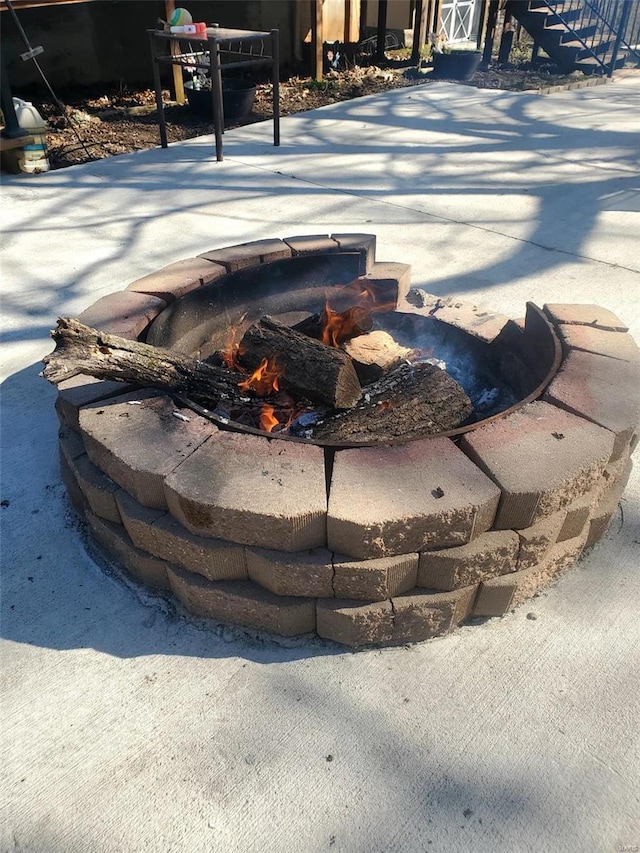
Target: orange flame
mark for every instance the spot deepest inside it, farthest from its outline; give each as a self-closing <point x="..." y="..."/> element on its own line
<point x="369" y="298"/>
<point x="268" y="421"/>
<point x="231" y="350"/>
<point x="338" y="327"/>
<point x="331" y="327"/>
<point x="263" y="380"/>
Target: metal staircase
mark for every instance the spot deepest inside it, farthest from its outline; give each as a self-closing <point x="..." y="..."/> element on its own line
<point x="592" y="36"/>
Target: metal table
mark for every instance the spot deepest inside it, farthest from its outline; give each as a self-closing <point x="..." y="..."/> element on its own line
<point x="226" y="48"/>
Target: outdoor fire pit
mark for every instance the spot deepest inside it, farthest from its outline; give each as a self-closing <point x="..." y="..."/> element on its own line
<point x="470" y="461"/>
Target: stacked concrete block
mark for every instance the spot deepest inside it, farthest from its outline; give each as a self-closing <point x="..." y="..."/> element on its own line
<point x="423" y="495"/>
<point x="98" y="490"/>
<point x="80" y="390"/>
<point x="178" y="279"/>
<point x="243" y="603"/>
<point x="126" y="314"/>
<point x="244" y="255"/>
<point x="251" y="491"/>
<point x="374" y="580"/>
<point x="388" y="283"/>
<point x="363" y="244"/>
<point x="541" y="457"/>
<point x="490" y="554"/>
<point x="538" y="539"/>
<point x="385" y="545"/>
<point x="312" y="244"/>
<point x="422" y="616"/>
<point x="158" y="533"/>
<point x="498" y="595"/>
<point x="140" y="438"/>
<point x="147" y="570"/>
<point x="70" y="447"/>
<point x="352" y="623"/>
<point x="304" y="573"/>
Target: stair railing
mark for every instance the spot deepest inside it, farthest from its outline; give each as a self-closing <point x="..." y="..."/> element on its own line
<point x="614" y="24"/>
<point x="623" y="17"/>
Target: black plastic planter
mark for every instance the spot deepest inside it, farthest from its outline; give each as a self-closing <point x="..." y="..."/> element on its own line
<point x="457" y="64"/>
<point x="238" y="97"/>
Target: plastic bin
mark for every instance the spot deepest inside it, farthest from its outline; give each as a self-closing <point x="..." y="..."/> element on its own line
<point x="457" y="64"/>
<point x="238" y="97"/>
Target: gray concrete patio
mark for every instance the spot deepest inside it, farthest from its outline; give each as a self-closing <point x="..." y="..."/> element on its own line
<point x="127" y="727"/>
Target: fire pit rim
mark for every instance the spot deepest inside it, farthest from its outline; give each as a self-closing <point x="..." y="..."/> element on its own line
<point x="360" y="246"/>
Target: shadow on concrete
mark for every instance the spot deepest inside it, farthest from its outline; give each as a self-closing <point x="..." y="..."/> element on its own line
<point x="340" y="155"/>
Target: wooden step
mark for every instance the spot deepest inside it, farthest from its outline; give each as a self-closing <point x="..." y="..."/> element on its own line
<point x="584" y="33"/>
<point x="563" y="17"/>
<point x="590" y="65"/>
<point x="603" y="48"/>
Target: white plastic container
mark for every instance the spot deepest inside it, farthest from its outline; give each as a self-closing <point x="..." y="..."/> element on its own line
<point x="32" y="158"/>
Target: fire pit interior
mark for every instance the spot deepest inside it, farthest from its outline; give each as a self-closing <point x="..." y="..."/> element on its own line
<point x="376" y="464"/>
<point x="321" y="295"/>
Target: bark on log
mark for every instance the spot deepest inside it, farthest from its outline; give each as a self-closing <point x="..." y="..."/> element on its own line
<point x="411" y="401"/>
<point x="80" y="349"/>
<point x="306" y="367"/>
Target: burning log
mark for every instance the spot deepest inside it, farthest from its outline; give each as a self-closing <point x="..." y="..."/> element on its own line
<point x="305" y="367"/>
<point x="80" y="349"/>
<point x="375" y="354"/>
<point x="408" y="402"/>
<point x="411" y="401"/>
<point x="333" y="328"/>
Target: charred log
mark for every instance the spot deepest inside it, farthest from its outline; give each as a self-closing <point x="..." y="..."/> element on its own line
<point x="305" y="367"/>
<point x="411" y="401"/>
<point x="408" y="402"/>
<point x="80" y="349"/>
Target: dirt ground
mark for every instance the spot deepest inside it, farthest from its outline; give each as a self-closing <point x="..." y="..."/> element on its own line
<point x="104" y="123"/>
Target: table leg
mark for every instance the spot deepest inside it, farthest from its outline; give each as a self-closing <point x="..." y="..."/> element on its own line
<point x="216" y="96"/>
<point x="275" y="53"/>
<point x="158" y="88"/>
